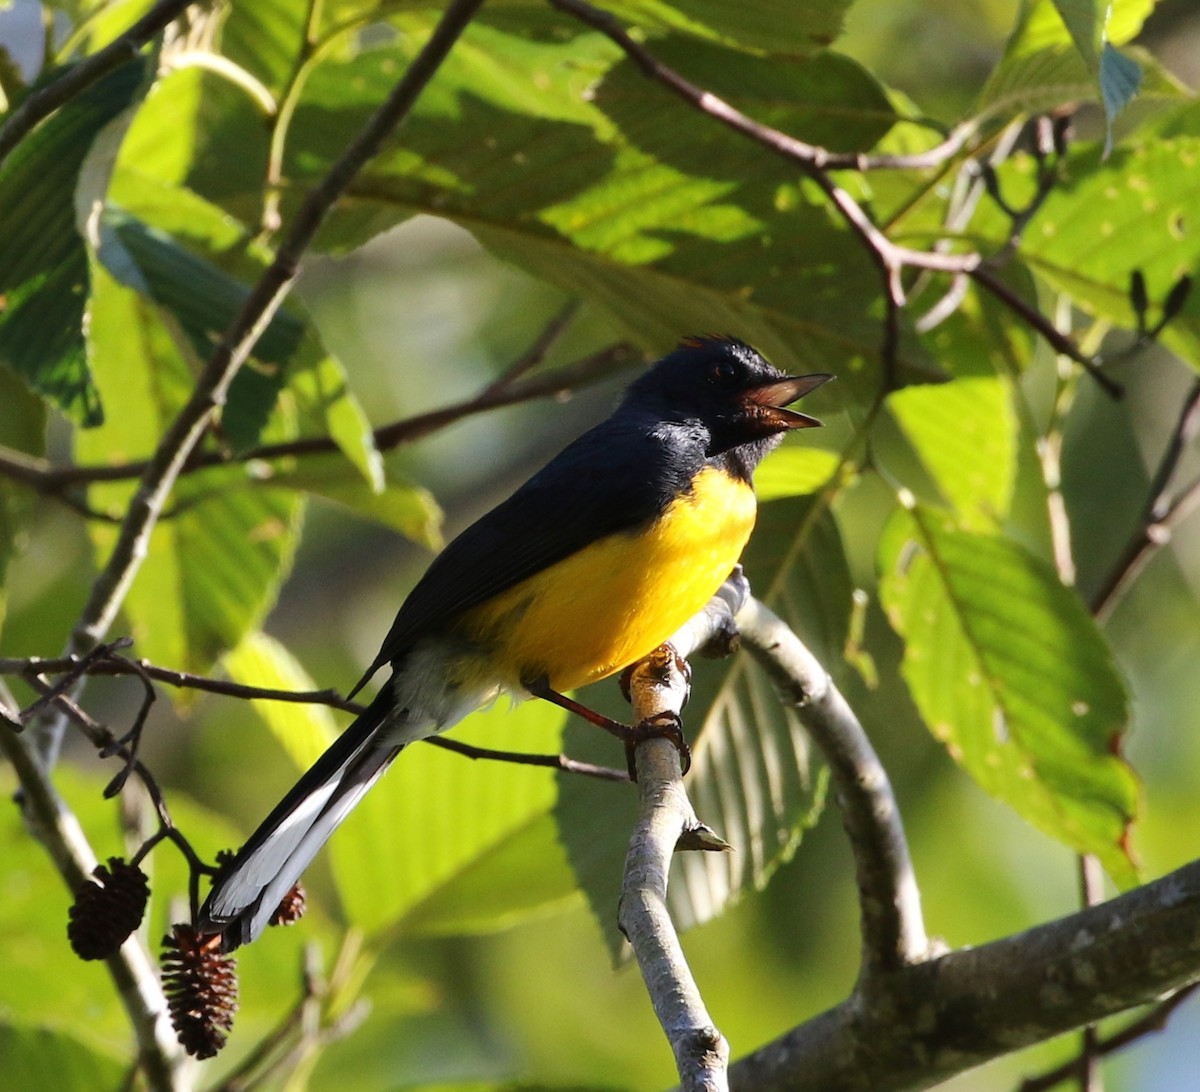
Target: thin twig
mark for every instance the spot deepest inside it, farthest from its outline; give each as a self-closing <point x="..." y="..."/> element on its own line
<point x="520" y="758"/>
<point x="1161" y="512"/>
<point x="536" y="353"/>
<point x="103" y="661"/>
<point x="110" y="664"/>
<point x="49" y="478"/>
<point x="811" y="154"/>
<point x="1050" y="333"/>
<point x="81" y="75"/>
<point x="55" y="826"/>
<point x="893" y="929"/>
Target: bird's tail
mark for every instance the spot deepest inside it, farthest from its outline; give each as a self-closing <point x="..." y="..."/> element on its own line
<point x="249" y="891"/>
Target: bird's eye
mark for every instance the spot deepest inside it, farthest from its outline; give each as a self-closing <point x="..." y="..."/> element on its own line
<point x="724" y="374"/>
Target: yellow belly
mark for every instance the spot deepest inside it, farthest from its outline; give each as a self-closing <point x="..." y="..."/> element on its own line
<point x="610" y="604"/>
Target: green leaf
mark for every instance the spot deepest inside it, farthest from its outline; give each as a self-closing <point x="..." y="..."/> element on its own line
<point x="794" y="471"/>
<point x="400" y="504"/>
<point x="303" y="729"/>
<point x="775" y="26"/>
<point x="1136" y="210"/>
<point x="525" y="874"/>
<point x="198" y="132"/>
<point x="204" y="300"/>
<point x="434" y="846"/>
<point x="43" y="262"/>
<point x="323" y="395"/>
<point x="1084" y="20"/>
<point x="965" y="434"/>
<point x="559" y="156"/>
<point x="43" y="1059"/>
<point x="1012" y="675"/>
<point x="436" y="817"/>
<point x="217" y="559"/>
<point x="1063" y="50"/>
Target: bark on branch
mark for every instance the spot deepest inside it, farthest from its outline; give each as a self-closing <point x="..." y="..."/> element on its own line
<point x="924" y="1023"/>
<point x="893" y="930"/>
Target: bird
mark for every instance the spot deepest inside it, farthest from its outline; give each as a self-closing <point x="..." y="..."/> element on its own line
<point x="588" y="567"/>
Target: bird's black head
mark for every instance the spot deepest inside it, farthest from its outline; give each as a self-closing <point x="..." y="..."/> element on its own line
<point x="725" y="386"/>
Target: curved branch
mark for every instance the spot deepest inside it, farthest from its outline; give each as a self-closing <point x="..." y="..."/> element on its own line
<point x="893" y="929"/>
<point x="811" y="154"/>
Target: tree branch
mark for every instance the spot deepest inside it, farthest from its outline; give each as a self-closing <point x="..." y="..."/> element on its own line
<point x="931" y="1020"/>
<point x="893" y="928"/>
<point x="51" y="479"/>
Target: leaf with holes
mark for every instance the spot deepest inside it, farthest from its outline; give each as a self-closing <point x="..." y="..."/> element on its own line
<point x="1012" y="675"/>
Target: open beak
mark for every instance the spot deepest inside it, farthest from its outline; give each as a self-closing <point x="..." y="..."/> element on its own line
<point x="767" y="403"/>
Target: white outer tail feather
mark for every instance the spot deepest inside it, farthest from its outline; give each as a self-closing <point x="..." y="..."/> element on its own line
<point x="243" y="900"/>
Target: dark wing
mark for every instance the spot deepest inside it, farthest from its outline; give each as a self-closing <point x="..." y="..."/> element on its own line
<point x="619" y="475"/>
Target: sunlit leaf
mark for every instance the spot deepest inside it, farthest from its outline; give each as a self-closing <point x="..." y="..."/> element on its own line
<point x="399" y="504"/>
<point x="436" y="815"/>
<point x="323" y="394"/>
<point x="526" y="873"/>
<point x="964" y="432"/>
<point x="1065" y="50"/>
<point x="1012" y="675"/>
<point x="217" y="559"/>
<point x="793" y="471"/>
<point x="204" y="301"/>
<point x="563" y="159"/>
<point x="776" y="26"/>
<point x="1134" y="211"/>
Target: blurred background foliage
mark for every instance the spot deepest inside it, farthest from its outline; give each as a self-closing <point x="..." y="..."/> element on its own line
<point x="538" y="169"/>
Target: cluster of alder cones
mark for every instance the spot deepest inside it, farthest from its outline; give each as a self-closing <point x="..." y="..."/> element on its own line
<point x="199" y="980"/>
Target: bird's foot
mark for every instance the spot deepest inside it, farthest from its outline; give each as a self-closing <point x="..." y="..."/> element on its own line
<point x="665" y="725"/>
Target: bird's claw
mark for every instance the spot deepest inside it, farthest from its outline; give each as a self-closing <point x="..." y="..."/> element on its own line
<point x="665" y="725"/>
